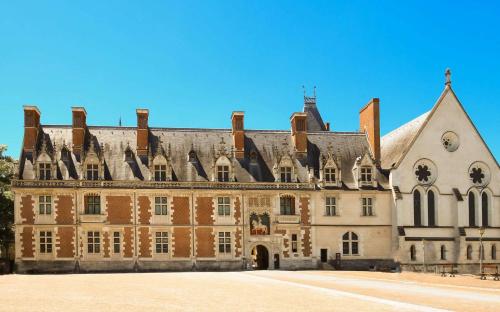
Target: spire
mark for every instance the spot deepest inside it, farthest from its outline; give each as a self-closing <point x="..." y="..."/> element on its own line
<point x="120" y="122"/>
<point x="447" y="74"/>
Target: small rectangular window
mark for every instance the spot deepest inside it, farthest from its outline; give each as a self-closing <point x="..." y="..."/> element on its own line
<point x="330" y="175"/>
<point x="92" y="204"/>
<point x="45" y="242"/>
<point x="93" y="242"/>
<point x="161" y="206"/>
<point x="116" y="242"/>
<point x="225" y="242"/>
<point x="44" y="204"/>
<point x="160" y="172"/>
<point x="223" y="206"/>
<point x="286" y="174"/>
<point x="366" y="175"/>
<point x="92" y="172"/>
<point x="294" y="243"/>
<point x="161" y="242"/>
<point x="367" y="203"/>
<point x="44" y="171"/>
<point x="223" y="173"/>
<point x="330" y="206"/>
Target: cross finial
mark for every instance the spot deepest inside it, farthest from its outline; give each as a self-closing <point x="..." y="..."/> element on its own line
<point x="314" y="91"/>
<point x="447" y="74"/>
<point x="304" y="89"/>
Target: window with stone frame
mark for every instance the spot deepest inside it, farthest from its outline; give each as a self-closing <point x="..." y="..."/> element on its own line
<point x="116" y="242"/>
<point x="366" y="175"/>
<point x="161" y="242"/>
<point x="92" y="204"/>
<point x="44" y="171"/>
<point x="330" y="206"/>
<point x="223" y="206"/>
<point x="160" y="173"/>
<point x="161" y="206"/>
<point x="45" y="204"/>
<point x="92" y="172"/>
<point x="493" y="252"/>
<point x="223" y="173"/>
<point x="93" y="242"/>
<point x="287" y="205"/>
<point x="350" y="244"/>
<point x="294" y="243"/>
<point x="225" y="242"/>
<point x="367" y="206"/>
<point x="45" y="242"/>
<point x="286" y="174"/>
<point x="330" y="175"/>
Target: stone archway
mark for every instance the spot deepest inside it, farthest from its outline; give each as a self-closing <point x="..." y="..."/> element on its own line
<point x="260" y="257"/>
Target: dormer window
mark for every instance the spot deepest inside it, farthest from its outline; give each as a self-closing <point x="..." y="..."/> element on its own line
<point x="366" y="175"/>
<point x="286" y="174"/>
<point x="160" y="172"/>
<point x="223" y="173"/>
<point x="93" y="172"/>
<point x="44" y="171"/>
<point x="330" y="175"/>
<point x="192" y="157"/>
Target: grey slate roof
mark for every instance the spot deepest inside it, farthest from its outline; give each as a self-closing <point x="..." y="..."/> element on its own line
<point x="262" y="151"/>
<point x="394" y="144"/>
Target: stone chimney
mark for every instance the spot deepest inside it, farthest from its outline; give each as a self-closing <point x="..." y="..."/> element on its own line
<point x="299" y="131"/>
<point x="142" y="131"/>
<point x="238" y="127"/>
<point x="369" y="123"/>
<point x="31" y="127"/>
<point x="79" y="129"/>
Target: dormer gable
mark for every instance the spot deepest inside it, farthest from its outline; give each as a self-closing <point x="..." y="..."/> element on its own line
<point x="364" y="171"/>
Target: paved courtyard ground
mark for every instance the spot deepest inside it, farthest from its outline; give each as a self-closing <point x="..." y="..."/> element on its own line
<point x="248" y="291"/>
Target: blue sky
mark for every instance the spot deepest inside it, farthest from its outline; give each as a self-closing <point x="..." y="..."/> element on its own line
<point x="193" y="63"/>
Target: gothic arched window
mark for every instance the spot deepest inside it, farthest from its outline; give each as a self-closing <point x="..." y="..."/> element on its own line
<point x="472" y="209"/>
<point x="431" y="208"/>
<point x="443" y="252"/>
<point x="469" y="252"/>
<point x="484" y="209"/>
<point x="413" y="253"/>
<point x="417" y="208"/>
<point x="493" y="252"/>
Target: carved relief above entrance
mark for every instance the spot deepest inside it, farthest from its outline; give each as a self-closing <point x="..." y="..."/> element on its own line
<point x="260" y="215"/>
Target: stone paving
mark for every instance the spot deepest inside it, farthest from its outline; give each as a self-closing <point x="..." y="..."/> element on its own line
<point x="248" y="291"/>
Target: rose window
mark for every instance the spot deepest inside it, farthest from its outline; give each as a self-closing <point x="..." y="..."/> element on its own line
<point x="479" y="174"/>
<point x="425" y="171"/>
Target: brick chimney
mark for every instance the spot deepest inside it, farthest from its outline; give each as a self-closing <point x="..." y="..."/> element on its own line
<point x="237" y="119"/>
<point x="369" y="123"/>
<point x="79" y="128"/>
<point x="142" y="131"/>
<point x="299" y="131"/>
<point x="31" y="127"/>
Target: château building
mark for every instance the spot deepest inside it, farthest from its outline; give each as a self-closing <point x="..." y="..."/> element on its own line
<point x="103" y="198"/>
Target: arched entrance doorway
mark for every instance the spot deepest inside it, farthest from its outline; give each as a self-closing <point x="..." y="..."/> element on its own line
<point x="260" y="258"/>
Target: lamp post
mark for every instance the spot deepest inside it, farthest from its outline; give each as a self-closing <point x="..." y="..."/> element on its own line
<point x="481" y="250"/>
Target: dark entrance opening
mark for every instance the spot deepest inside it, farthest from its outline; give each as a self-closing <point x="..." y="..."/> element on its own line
<point x="260" y="257"/>
<point x="324" y="255"/>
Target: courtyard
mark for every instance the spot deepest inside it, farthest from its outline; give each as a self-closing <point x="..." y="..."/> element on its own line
<point x="248" y="291"/>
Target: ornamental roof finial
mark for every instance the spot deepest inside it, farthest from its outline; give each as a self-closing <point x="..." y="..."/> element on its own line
<point x="447" y="74"/>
